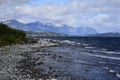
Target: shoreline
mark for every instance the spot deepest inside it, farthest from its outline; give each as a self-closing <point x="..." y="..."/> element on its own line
<point x="54" y="60"/>
<point x="11" y="55"/>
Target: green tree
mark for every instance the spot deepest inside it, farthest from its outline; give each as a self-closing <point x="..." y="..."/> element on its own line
<point x="10" y="36"/>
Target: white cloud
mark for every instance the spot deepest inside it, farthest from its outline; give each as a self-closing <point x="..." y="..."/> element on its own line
<point x="7" y="3"/>
<point x="102" y="15"/>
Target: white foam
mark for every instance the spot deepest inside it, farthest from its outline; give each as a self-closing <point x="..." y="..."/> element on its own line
<point x="105" y="68"/>
<point x="102" y="62"/>
<point x="118" y="75"/>
<point x="103" y="49"/>
<point x="89" y="47"/>
<point x="85" y="44"/>
<point x="110" y="52"/>
<point x="102" y="56"/>
<point x="67" y="41"/>
<point x="78" y="43"/>
<point x="79" y="61"/>
<point x="111" y="71"/>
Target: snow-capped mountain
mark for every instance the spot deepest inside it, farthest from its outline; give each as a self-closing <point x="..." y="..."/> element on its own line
<point x="42" y="27"/>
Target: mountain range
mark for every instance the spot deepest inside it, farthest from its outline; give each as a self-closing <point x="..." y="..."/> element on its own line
<point x="42" y="27"/>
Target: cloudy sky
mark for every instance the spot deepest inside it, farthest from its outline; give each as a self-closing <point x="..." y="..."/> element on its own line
<point x="102" y="15"/>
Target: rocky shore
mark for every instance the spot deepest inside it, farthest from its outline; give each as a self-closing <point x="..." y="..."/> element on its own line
<point x="16" y="57"/>
<point x="50" y="60"/>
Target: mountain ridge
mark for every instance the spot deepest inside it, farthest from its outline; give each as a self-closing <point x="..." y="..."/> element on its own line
<point x="42" y="27"/>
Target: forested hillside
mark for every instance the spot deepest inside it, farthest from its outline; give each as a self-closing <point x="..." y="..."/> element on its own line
<point x="10" y="36"/>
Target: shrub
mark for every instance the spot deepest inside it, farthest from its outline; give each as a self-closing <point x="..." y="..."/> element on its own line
<point x="10" y="36"/>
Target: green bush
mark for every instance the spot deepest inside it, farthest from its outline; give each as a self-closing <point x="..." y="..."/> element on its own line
<point x="10" y="36"/>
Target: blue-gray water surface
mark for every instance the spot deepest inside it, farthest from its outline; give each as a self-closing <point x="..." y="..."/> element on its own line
<point x="110" y="43"/>
<point x="99" y="56"/>
<point x="82" y="58"/>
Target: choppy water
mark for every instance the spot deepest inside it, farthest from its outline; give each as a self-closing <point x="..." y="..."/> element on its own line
<point x="87" y="63"/>
<point x="83" y="58"/>
<point x="102" y="52"/>
<point x="110" y="43"/>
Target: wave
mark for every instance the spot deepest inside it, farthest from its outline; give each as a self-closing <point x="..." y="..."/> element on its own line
<point x="101" y="56"/>
<point x="112" y="71"/>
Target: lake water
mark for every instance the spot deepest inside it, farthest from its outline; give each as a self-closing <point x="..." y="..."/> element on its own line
<point x="83" y="58"/>
<point x="110" y="43"/>
<point x="101" y="54"/>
